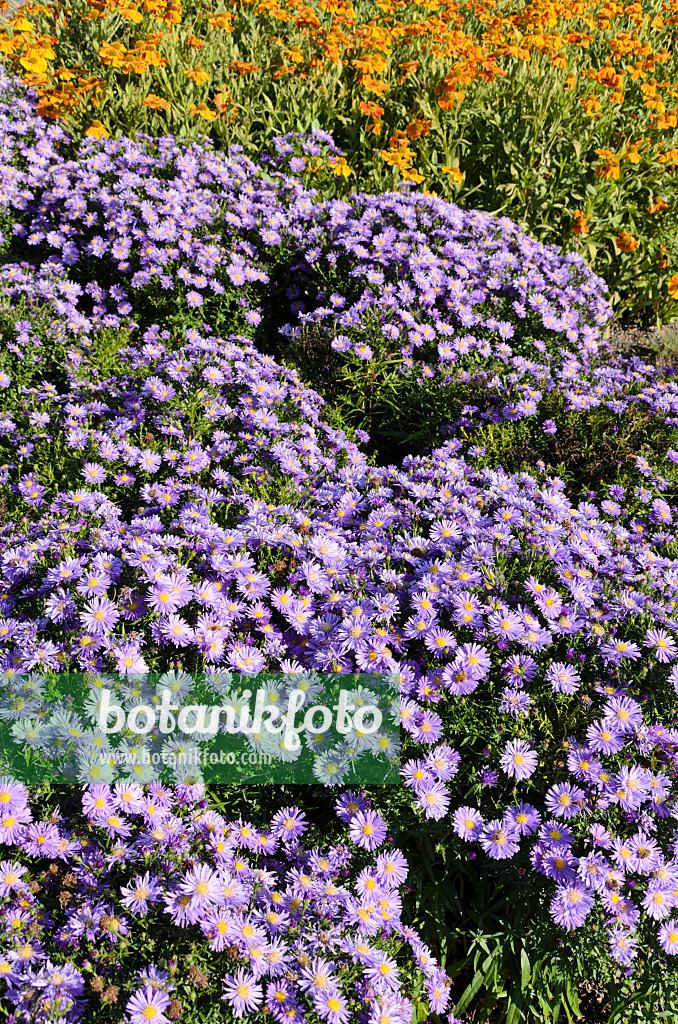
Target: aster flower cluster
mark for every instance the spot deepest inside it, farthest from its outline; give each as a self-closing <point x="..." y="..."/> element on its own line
<point x="291" y="929"/>
<point x="188" y="504"/>
<point x="112" y="229"/>
<point x="624" y="391"/>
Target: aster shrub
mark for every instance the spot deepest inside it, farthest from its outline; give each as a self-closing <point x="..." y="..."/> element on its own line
<point x="610" y="420"/>
<point x="147" y="901"/>
<point x="381" y="300"/>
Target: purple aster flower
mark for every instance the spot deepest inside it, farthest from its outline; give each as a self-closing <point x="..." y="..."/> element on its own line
<point x="94" y="473"/>
<point x="658" y="901"/>
<point x="367" y="830"/>
<point x="668" y="931"/>
<point x="10" y="877"/>
<point x="100" y="615"/>
<point x="622" y="945"/>
<point x="563" y="800"/>
<point x="518" y="761"/>
<point x="434" y="799"/>
<point x="136" y="895"/>
<point x="499" y="839"/>
<point x="331" y="1006"/>
<point x="242" y="992"/>
<point x="570" y="905"/>
<point x="623" y="714"/>
<point x="148" y="1005"/>
<point x="468" y="823"/>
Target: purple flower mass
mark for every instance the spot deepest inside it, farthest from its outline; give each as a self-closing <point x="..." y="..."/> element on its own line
<point x="188" y="503"/>
<point x="270" y="909"/>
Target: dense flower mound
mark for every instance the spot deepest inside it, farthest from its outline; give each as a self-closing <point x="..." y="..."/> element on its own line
<point x="114" y="231"/>
<point x="108" y="904"/>
<point x="464" y="582"/>
<point x="430" y="282"/>
<point x="203" y="411"/>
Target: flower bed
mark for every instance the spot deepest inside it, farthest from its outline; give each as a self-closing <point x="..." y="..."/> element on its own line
<point x="178" y="496"/>
<point x="561" y="117"/>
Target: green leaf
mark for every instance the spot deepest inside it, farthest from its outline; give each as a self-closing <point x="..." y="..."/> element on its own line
<point x="525" y="971"/>
<point x="514" y="1013"/>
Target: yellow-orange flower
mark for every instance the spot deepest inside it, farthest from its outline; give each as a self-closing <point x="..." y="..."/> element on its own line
<point x="202" y="110"/>
<point x="97" y="131"/>
<point x="580" y="225"/>
<point x="222" y="20"/>
<point x="34" y="63"/>
<point x="456" y="174"/>
<point x="657" y="205"/>
<point x="371" y="109"/>
<point x="339" y="166"/>
<point x="417" y="128"/>
<point x="156" y="102"/>
<point x="673" y="286"/>
<point x="609" y="165"/>
<point x="410" y="174"/>
<point x="626" y="242"/>
<point x="197" y="74"/>
<point x="243" y="67"/>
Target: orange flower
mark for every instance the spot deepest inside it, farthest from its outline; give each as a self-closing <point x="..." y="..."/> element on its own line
<point x="97" y="131"/>
<point x="156" y="102"/>
<point x="197" y="74"/>
<point x="580" y="226"/>
<point x="242" y="67"/>
<point x="457" y="175"/>
<point x="407" y="68"/>
<point x="371" y="109"/>
<point x="626" y="242"/>
<point x="375" y="85"/>
<point x="591" y="105"/>
<point x="222" y="20"/>
<point x="295" y="56"/>
<point x="202" y="110"/>
<point x="609" y="167"/>
<point x="657" y="205"/>
<point x="417" y="128"/>
<point x="673" y="286"/>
